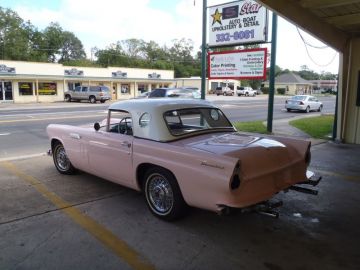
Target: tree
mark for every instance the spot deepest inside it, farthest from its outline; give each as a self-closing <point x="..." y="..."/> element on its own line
<point x="53" y="40"/>
<point x="71" y="48"/>
<point x="133" y="47"/>
<point x="15" y="35"/>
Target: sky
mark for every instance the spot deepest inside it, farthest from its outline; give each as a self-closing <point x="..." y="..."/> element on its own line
<point x="101" y="23"/>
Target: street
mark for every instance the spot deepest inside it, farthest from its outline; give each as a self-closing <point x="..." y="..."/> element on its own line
<point x="22" y="127"/>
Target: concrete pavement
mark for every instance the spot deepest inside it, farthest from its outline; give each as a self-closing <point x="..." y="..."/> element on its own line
<point x="53" y="221"/>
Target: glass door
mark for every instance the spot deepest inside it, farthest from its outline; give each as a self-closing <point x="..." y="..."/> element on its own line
<point x="1" y="91"/>
<point x="6" y="93"/>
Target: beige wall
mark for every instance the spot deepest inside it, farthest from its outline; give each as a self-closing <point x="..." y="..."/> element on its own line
<point x="58" y="70"/>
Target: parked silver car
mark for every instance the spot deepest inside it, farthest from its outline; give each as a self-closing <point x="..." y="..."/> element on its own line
<point x="304" y="103"/>
<point x="225" y="91"/>
<point x="173" y="92"/>
<point x="90" y="93"/>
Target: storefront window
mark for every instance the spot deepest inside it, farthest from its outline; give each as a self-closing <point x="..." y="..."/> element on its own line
<point x="142" y="88"/>
<point x="26" y="89"/>
<point x="73" y="85"/>
<point x="125" y="89"/>
<point x="47" y="88"/>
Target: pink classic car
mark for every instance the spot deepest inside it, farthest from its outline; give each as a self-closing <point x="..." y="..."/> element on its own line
<point x="182" y="153"/>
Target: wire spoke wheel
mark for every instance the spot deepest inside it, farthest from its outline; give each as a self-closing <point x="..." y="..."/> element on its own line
<point x="160" y="193"/>
<point x="61" y="160"/>
<point x="163" y="195"/>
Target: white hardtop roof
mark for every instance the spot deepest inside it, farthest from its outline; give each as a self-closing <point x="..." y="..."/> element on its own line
<point x="162" y="104"/>
<point x="156" y="129"/>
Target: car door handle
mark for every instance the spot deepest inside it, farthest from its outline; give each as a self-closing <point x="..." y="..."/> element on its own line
<point x="125" y="143"/>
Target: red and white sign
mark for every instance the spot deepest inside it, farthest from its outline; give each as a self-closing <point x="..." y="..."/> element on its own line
<point x="240" y="64"/>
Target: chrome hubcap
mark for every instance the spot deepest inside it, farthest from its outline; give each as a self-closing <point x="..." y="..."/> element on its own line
<point x="160" y="194"/>
<point x="62" y="159"/>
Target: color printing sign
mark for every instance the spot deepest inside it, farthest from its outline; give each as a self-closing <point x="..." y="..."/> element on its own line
<point x="240" y="64"/>
<point x="237" y="23"/>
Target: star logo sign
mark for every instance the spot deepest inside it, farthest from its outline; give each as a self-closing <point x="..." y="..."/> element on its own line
<point x="216" y="17"/>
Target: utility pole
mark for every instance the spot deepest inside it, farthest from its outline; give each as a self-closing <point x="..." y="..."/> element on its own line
<point x="203" y="51"/>
<point x="272" y="73"/>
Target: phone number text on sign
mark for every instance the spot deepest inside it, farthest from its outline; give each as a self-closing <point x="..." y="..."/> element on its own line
<point x="238" y="35"/>
<point x="237" y="23"/>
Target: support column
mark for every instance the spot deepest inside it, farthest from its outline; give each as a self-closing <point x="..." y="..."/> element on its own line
<point x="37" y="90"/>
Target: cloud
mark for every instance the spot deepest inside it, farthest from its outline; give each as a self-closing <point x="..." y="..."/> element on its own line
<point x="101" y="23"/>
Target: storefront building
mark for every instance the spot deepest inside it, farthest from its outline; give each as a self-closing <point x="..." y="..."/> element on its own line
<point x="26" y="82"/>
<point x="210" y="85"/>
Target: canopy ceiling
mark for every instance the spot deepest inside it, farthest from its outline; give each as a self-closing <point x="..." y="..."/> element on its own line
<point x="332" y="21"/>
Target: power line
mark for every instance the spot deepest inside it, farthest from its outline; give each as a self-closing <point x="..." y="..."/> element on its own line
<point x="306" y="44"/>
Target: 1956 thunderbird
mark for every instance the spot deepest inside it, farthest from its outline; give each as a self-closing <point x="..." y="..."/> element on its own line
<point x="180" y="153"/>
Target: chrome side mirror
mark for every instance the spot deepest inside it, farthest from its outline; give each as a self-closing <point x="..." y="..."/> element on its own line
<point x="97" y="126"/>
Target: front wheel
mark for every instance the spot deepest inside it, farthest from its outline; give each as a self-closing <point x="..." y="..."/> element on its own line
<point x="320" y="108"/>
<point x="163" y="195"/>
<point x="102" y="101"/>
<point x="61" y="160"/>
<point x="92" y="99"/>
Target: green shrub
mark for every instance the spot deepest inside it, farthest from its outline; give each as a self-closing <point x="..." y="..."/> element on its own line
<point x="265" y="90"/>
<point x="281" y="91"/>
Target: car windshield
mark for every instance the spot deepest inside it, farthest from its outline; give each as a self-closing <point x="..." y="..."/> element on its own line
<point x="298" y="98"/>
<point x="191" y="120"/>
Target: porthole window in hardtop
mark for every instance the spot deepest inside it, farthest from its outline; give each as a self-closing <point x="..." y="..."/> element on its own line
<point x="120" y="122"/>
<point x="190" y="120"/>
<point x="144" y="119"/>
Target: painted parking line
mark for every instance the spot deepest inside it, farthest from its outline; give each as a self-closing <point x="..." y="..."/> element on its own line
<point x="105" y="236"/>
<point x="352" y="178"/>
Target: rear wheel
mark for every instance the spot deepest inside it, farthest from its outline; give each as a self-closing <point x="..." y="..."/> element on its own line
<point x="102" y="101"/>
<point x="163" y="195"/>
<point x="92" y="99"/>
<point x="246" y="94"/>
<point x="288" y="110"/>
<point x="61" y="160"/>
<point x="307" y="109"/>
<point x="320" y="108"/>
<point x="67" y="98"/>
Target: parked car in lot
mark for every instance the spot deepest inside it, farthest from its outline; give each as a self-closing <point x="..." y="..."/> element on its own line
<point x="303" y="103"/>
<point x="173" y="92"/>
<point x="90" y="93"/>
<point x="225" y="91"/>
<point x="144" y="95"/>
<point x="180" y="153"/>
<point x="245" y="91"/>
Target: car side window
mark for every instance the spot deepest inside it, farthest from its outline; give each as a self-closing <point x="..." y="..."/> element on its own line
<point x="77" y="89"/>
<point x="120" y="122"/>
<point x="84" y="89"/>
<point x="158" y="93"/>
